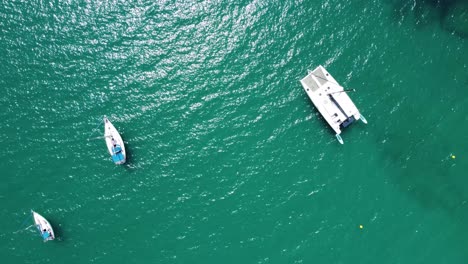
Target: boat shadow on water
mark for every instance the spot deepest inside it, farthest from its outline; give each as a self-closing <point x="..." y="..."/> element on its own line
<point x="129" y="164"/>
<point x="58" y="231"/>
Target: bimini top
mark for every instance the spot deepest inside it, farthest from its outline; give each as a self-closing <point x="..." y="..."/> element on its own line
<point x="331" y="100"/>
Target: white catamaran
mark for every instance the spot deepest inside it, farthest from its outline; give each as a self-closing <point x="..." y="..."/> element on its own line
<point x="331" y="100"/>
<point x="114" y="142"/>
<point x="44" y="227"/>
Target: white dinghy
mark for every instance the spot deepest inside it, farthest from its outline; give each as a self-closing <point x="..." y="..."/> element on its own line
<point x="114" y="142"/>
<point x="331" y="100"/>
<point x="44" y="227"/>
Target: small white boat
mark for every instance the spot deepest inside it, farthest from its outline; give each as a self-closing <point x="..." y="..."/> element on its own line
<point x="44" y="227"/>
<point x="114" y="142"/>
<point x="331" y="100"/>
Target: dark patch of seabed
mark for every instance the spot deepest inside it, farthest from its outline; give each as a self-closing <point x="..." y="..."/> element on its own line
<point x="438" y="184"/>
<point x="451" y="15"/>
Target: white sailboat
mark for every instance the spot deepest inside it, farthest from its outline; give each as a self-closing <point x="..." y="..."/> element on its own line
<point x="44" y="227"/>
<point x="114" y="142"/>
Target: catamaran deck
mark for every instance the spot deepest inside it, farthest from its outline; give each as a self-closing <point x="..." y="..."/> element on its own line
<point x="331" y="100"/>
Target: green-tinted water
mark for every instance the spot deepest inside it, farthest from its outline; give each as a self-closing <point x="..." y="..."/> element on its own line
<point x="229" y="162"/>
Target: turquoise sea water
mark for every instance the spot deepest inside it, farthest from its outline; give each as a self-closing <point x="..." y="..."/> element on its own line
<point x="228" y="160"/>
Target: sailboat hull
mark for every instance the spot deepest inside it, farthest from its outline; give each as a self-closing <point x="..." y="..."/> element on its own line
<point x="43" y="226"/>
<point x="114" y="143"/>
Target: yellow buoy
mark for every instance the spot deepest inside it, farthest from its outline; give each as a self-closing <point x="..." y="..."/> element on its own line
<point x="361" y="227"/>
<point x="453" y="156"/>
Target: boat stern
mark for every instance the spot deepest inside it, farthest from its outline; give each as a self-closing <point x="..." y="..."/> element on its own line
<point x="118" y="159"/>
